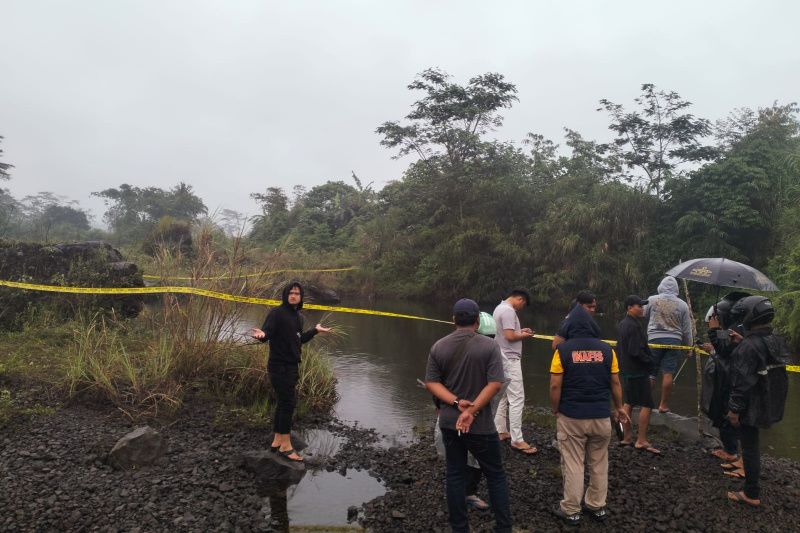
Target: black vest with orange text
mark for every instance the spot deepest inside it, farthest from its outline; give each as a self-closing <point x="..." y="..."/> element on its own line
<point x="586" y="388"/>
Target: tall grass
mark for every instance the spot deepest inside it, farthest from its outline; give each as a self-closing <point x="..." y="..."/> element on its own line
<point x="186" y="342"/>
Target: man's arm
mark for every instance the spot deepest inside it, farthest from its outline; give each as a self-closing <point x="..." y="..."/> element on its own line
<point x="447" y="397"/>
<point x="555" y="391"/>
<point x="484" y="397"/>
<point x="616" y="394"/>
<point x="743" y="378"/>
<point x="557" y="339"/>
<point x="513" y="336"/>
<point x="688" y="339"/>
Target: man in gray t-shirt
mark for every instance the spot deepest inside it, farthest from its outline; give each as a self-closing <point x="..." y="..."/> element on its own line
<point x="465" y="370"/>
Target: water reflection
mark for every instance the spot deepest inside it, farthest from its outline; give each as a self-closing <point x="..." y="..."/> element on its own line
<point x="378" y="362"/>
<point x="276" y="507"/>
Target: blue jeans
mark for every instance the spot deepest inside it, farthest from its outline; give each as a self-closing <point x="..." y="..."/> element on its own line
<point x="486" y="449"/>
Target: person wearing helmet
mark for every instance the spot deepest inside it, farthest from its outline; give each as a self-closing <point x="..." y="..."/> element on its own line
<point x="758" y="386"/>
<point x="722" y="342"/>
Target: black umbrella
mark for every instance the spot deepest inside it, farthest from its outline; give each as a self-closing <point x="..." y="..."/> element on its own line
<point x="723" y="273"/>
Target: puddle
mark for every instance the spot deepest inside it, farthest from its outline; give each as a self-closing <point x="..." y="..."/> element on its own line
<point x="320" y="498"/>
<point x="321" y="443"/>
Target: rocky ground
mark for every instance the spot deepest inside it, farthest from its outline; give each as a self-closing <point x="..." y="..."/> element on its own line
<point x="54" y="477"/>
<point x="683" y="490"/>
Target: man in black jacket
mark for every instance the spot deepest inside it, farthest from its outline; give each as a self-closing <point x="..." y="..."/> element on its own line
<point x="283" y="329"/>
<point x="636" y="366"/>
<point x="754" y="360"/>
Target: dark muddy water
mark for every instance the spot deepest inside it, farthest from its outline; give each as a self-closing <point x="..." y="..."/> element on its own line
<point x="379" y="360"/>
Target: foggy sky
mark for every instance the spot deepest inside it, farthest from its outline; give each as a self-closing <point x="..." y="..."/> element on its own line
<point x="236" y="96"/>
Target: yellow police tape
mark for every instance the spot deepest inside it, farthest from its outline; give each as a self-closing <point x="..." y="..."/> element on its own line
<point x="256" y="275"/>
<point x="203" y="292"/>
<point x="270" y="302"/>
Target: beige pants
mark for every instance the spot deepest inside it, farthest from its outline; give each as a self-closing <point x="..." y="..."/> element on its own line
<point x="584" y="441"/>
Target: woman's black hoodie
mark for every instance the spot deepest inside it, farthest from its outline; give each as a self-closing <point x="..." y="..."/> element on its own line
<point x="284" y="330"/>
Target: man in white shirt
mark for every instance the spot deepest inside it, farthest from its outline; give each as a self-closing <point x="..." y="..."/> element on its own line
<point x="508" y="418"/>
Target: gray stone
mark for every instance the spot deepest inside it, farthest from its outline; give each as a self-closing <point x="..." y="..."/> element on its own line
<point x="270" y="466"/>
<point x="141" y="447"/>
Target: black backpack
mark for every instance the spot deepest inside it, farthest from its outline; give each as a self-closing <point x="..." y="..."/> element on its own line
<point x="768" y="397"/>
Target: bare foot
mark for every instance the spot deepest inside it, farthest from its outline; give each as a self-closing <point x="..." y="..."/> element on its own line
<point x="740" y="497"/>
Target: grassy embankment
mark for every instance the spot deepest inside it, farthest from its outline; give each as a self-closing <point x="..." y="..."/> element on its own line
<point x="179" y="347"/>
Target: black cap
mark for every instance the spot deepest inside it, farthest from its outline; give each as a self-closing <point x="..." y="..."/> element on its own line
<point x="634" y="300"/>
<point x="467" y="307"/>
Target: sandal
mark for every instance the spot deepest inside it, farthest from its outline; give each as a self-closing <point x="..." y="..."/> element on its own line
<point x="289" y="452"/>
<point x="474" y="502"/>
<point x="741" y="497"/>
<point x="525" y="450"/>
<point x="721" y="454"/>
<point x="733" y="466"/>
<point x="737" y="474"/>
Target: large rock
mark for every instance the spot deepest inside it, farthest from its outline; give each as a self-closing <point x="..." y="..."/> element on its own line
<point x="80" y="264"/>
<point x="321" y="295"/>
<point x="268" y="466"/>
<point x="141" y="447"/>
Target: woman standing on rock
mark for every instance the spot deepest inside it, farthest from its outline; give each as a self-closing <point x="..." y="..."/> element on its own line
<point x="283" y="329"/>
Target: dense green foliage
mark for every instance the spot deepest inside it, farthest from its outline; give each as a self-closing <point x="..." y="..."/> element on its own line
<point x="476" y="216"/>
<point x="473" y="215"/>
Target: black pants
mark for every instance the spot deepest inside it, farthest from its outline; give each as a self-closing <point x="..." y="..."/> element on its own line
<point x="486" y="449"/>
<point x="474" y="476"/>
<point x="284" y="381"/>
<point x="751" y="455"/>
<point x="729" y="436"/>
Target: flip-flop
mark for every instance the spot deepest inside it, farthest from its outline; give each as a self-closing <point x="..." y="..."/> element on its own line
<point x="274" y="449"/>
<point x="623" y="444"/>
<point x="474" y="502"/>
<point x="648" y="449"/>
<point x="504" y="436"/>
<point x="287" y="453"/>
<point x="741" y="498"/>
<point x="732" y="466"/>
<point x="663" y="411"/>
<point x="737" y="474"/>
<point x="719" y="453"/>
<point x="530" y="450"/>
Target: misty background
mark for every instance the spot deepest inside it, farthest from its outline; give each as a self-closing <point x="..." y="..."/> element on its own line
<point x="235" y="97"/>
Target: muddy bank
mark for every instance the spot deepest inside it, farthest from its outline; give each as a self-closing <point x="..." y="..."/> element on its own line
<point x="683" y="490"/>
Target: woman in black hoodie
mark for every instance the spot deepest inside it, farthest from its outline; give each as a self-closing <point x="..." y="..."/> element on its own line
<point x="283" y="329"/>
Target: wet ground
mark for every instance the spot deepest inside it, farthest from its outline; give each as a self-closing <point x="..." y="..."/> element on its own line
<point x="54" y="479"/>
<point x="683" y="490"/>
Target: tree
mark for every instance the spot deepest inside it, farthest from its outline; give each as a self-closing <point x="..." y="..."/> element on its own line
<point x="47" y="215"/>
<point x="656" y="140"/>
<point x="450" y="118"/>
<point x="732" y="207"/>
<point x="273" y="222"/>
<point x="232" y="222"/>
<point x="133" y="212"/>
<point x="4" y="167"/>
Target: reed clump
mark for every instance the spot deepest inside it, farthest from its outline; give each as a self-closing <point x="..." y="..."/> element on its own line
<point x="181" y="344"/>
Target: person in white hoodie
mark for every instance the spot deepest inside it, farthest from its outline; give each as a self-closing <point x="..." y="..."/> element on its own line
<point x="669" y="322"/>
